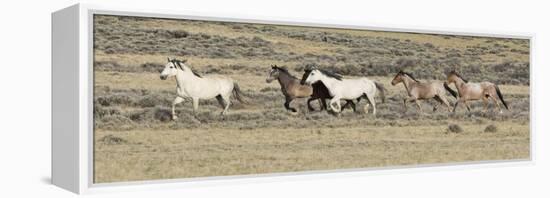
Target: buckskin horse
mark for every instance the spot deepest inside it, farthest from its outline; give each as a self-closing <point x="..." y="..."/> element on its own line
<point x="468" y="91"/>
<point x="417" y="90"/>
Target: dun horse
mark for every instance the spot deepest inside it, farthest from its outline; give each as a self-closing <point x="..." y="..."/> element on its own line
<point x="475" y="91"/>
<point x="193" y="86"/>
<point x="292" y="89"/>
<point x="417" y="90"/>
<point x="347" y="89"/>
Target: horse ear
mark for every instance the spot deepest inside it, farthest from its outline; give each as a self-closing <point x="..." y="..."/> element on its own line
<point x="169" y="60"/>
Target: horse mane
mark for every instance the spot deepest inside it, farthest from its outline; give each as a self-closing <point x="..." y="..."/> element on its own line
<point x="307" y="70"/>
<point x="284" y="70"/>
<point x="459" y="76"/>
<point x="196" y="74"/>
<point x="309" y="67"/>
<point x="179" y="62"/>
<point x="331" y="74"/>
<point x="410" y="75"/>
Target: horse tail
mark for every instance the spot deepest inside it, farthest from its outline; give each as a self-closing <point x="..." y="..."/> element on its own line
<point x="237" y="92"/>
<point x="382" y="90"/>
<point x="451" y="91"/>
<point x="501" y="98"/>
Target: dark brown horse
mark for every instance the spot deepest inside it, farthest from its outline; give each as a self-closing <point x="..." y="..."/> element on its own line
<point x="292" y="89"/>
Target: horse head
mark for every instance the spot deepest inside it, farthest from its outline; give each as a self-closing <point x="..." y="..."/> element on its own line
<point x="273" y="74"/>
<point x="311" y="76"/>
<point x="171" y="68"/>
<point x="401" y="76"/>
<point x="453" y="77"/>
<point x="307" y="71"/>
<point x="398" y="78"/>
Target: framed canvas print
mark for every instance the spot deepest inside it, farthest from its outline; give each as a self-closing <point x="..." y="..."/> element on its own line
<point x="145" y="97"/>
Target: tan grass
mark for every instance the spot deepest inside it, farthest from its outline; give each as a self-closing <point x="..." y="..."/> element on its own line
<point x="164" y="154"/>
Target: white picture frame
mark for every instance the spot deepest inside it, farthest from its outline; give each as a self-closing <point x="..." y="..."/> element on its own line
<point x="72" y="102"/>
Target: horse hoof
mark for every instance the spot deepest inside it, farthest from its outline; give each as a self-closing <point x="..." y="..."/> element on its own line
<point x="174" y="117"/>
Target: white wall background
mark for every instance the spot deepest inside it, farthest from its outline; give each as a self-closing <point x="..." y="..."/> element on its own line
<point x="25" y="96"/>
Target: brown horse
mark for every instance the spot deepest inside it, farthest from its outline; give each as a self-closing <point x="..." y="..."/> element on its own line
<point x="292" y="89"/>
<point x="417" y="90"/>
<point x="475" y="91"/>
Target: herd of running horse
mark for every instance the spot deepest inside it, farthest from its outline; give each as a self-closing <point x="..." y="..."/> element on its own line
<point x="322" y="85"/>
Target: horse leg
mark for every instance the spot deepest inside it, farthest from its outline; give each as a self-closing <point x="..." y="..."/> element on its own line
<point x="287" y="105"/>
<point x="458" y="102"/>
<point x="412" y="99"/>
<point x="444" y="101"/>
<point x="227" y="102"/>
<point x="309" y="107"/>
<point x="176" y="101"/>
<point x="349" y="103"/>
<point x="435" y="106"/>
<point x="496" y="102"/>
<point x="438" y="102"/>
<point x="372" y="102"/>
<point x="337" y="102"/>
<point x="220" y="101"/>
<point x="485" y="104"/>
<point x="405" y="104"/>
<point x="418" y="105"/>
<point x="467" y="106"/>
<point x="323" y="104"/>
<point x="195" y="107"/>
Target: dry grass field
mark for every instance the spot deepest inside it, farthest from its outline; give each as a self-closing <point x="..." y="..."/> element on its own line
<point x="135" y="139"/>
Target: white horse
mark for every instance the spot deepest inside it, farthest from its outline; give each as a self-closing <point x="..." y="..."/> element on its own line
<point x="347" y="89"/>
<point x="193" y="86"/>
